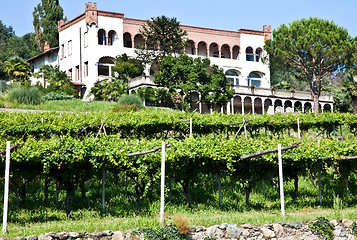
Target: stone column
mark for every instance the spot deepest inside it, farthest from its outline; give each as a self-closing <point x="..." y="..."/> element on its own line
<point x="196" y="51"/>
<point x="253" y="110"/>
<point x="228" y="108"/>
<point x="232" y="103"/>
<point x="263" y="105"/>
<point x="242" y="106"/>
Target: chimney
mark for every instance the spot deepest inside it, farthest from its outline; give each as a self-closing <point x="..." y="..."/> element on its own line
<point x="46" y="47"/>
<point x="267" y="32"/>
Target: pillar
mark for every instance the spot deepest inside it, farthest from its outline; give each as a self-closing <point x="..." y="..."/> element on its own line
<point x="228" y="108"/>
<point x="253" y="110"/>
<point x="263" y="105"/>
<point x="232" y="103"/>
<point x="242" y="106"/>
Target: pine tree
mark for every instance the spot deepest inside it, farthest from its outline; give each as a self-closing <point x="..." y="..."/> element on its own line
<point x="45" y="19"/>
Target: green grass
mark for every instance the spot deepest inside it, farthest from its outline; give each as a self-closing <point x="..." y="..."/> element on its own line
<point x="37" y="216"/>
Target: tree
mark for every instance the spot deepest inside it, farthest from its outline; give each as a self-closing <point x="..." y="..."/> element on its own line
<point x="109" y="89"/>
<point x="162" y="36"/>
<point x="184" y="75"/>
<point x="18" y="70"/>
<point x="126" y="68"/>
<point x="45" y="19"/>
<point x="314" y="46"/>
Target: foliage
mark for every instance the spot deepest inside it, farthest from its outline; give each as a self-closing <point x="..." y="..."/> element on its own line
<point x="159" y="97"/>
<point x="323" y="227"/>
<point x="130" y="99"/>
<point x="55" y="80"/>
<point x="53" y="96"/>
<point x="354" y="227"/>
<point x="46" y="16"/>
<point x="125" y="108"/>
<point x="162" y="36"/>
<point x="18" y="70"/>
<point x="30" y="95"/>
<point x="314" y="46"/>
<point x="109" y="89"/>
<point x="169" y="232"/>
<point x="127" y="68"/>
<point x="185" y="75"/>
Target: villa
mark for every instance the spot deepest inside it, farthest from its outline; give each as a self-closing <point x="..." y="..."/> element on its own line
<point x="89" y="44"/>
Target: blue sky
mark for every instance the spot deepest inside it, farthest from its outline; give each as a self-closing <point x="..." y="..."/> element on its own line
<point x="223" y="14"/>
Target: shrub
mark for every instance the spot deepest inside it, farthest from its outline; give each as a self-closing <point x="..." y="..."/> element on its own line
<point x="322" y="227"/>
<point x="125" y="108"/>
<point x="30" y="95"/>
<point x="131" y="99"/>
<point x="52" y="96"/>
<point x="169" y="232"/>
<point x="182" y="224"/>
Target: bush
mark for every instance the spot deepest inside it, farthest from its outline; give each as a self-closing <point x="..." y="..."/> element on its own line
<point x="53" y="96"/>
<point x="131" y="99"/>
<point x="322" y="227"/>
<point x="169" y="232"/>
<point x="126" y="108"/>
<point x="30" y="95"/>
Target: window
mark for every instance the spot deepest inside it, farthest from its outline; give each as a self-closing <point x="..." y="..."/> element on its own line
<point x="232" y="77"/>
<point x="258" y="54"/>
<point x="77" y="73"/>
<point x="254" y="79"/>
<point x="70" y="74"/>
<point x="63" y="53"/>
<point x="69" y="47"/>
<point x="105" y="66"/>
<point x="86" y="69"/>
<point x="249" y="54"/>
<point x="102" y="40"/>
<point x="85" y="39"/>
<point x="111" y="37"/>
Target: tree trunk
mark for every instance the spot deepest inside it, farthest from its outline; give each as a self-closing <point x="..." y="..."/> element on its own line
<point x="69" y="192"/>
<point x="296" y="185"/>
<point x="83" y="191"/>
<point x="316" y="103"/>
<point x="46" y="190"/>
<point x="185" y="189"/>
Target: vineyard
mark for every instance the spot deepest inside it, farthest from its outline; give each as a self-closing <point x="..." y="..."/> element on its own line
<point x="67" y="150"/>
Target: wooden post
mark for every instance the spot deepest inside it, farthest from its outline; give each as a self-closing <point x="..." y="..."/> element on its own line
<point x="281" y="182"/>
<point x="190" y="127"/>
<point x="320" y="201"/>
<point x="103" y="189"/>
<point x="219" y="190"/>
<point x="162" y="199"/>
<point x="245" y="131"/>
<point x="6" y="187"/>
<point x="298" y="125"/>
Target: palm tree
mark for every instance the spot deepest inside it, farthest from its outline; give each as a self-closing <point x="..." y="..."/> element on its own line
<point x="17" y="69"/>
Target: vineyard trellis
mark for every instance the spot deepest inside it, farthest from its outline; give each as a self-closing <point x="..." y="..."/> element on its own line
<point x="72" y="148"/>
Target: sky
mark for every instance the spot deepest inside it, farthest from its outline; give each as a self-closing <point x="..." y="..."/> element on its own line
<point x="223" y="14"/>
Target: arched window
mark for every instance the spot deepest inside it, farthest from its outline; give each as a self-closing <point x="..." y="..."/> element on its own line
<point x="213" y="50"/>
<point x="254" y="79"/>
<point x="235" y="52"/>
<point x="111" y="37"/>
<point x="258" y="54"/>
<point x="138" y="41"/>
<point x="202" y="49"/>
<point x="225" y="51"/>
<point x="190" y="48"/>
<point x="127" y="40"/>
<point x="102" y="39"/>
<point x="232" y="77"/>
<point x="249" y="54"/>
<point x="105" y="65"/>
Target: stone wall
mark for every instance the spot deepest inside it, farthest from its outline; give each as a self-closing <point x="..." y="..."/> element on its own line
<point x="278" y="231"/>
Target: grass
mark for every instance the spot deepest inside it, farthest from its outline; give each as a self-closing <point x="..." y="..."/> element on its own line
<point x="39" y="216"/>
